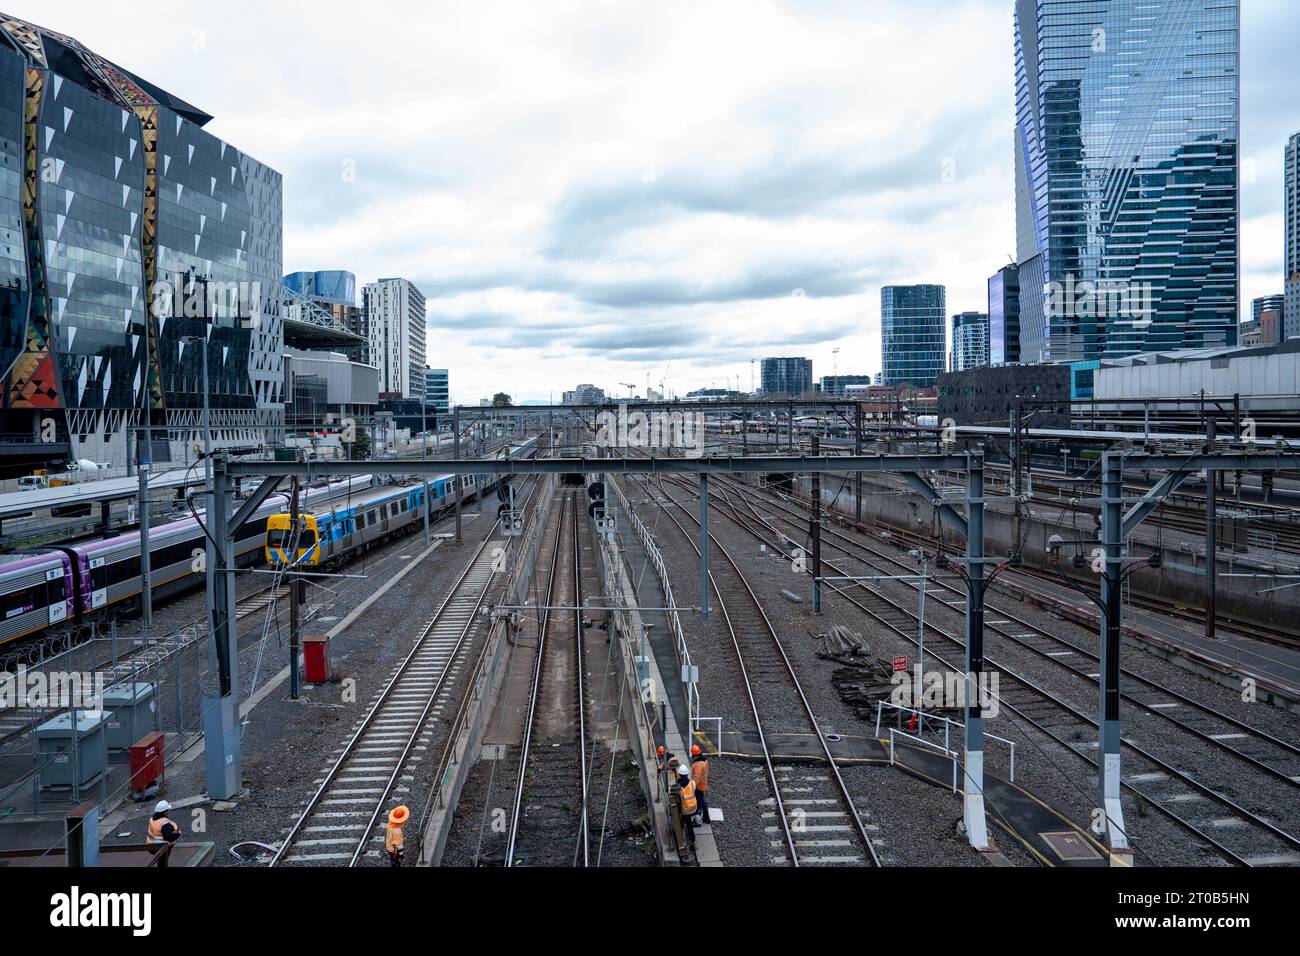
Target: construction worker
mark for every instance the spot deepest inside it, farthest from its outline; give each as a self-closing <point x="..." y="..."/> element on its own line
<point x="161" y="828"/>
<point x="700" y="777"/>
<point x="395" y="838"/>
<point x="688" y="803"/>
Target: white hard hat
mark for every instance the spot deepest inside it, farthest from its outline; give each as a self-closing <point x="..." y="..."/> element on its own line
<point x="162" y="806"/>
<point x="683" y="771"/>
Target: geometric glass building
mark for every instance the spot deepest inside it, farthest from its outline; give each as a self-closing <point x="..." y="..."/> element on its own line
<point x="331" y="285"/>
<point x="1126" y="176"/>
<point x="912" y="334"/>
<point x="126" y="230"/>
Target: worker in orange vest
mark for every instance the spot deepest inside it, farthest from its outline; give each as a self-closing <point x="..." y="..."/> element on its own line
<point x="395" y="838"/>
<point x="687" y="802"/>
<point x="700" y="777"/>
<point x="161" y="828"/>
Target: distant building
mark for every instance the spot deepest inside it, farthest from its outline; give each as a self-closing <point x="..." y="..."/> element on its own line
<point x="1291" y="220"/>
<point x="1270" y="327"/>
<point x="837" y="386"/>
<point x="1248" y="336"/>
<point x="395" y="319"/>
<point x="585" y="395"/>
<point x="986" y="395"/>
<point x="437" y="390"/>
<point x="970" y="340"/>
<point x="710" y="395"/>
<point x="912" y="333"/>
<point x="1004" y="316"/>
<point x="325" y="387"/>
<point x="335" y="292"/>
<point x="1275" y="302"/>
<point x="790" y="376"/>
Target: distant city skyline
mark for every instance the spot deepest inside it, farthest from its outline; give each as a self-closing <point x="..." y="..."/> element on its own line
<point x="741" y="182"/>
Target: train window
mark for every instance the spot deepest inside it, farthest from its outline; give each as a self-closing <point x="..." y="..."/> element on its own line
<point x="20" y="602"/>
<point x="277" y="537"/>
<point x="123" y="570"/>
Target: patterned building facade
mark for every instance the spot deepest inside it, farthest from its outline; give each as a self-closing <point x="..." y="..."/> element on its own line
<point x="145" y="241"/>
<point x="1126" y="155"/>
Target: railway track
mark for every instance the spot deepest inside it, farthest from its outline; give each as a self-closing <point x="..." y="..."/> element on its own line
<point x="1242" y="837"/>
<point x="336" y="826"/>
<point x="549" y="823"/>
<point x="780" y="707"/>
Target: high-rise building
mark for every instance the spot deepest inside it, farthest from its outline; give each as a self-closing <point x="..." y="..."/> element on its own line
<point x="135" y="242"/>
<point x="437" y="390"/>
<point x="836" y="386"/>
<point x="1291" y="218"/>
<point x="395" y="322"/>
<point x="912" y="333"/>
<point x="970" y="340"/>
<point x="1004" y="316"/>
<point x="1126" y="176"/>
<point x="790" y="376"/>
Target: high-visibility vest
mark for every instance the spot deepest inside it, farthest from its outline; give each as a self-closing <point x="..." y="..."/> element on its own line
<point x="395" y="839"/>
<point x="700" y="775"/>
<point x="687" y="795"/>
<point x="155" y="834"/>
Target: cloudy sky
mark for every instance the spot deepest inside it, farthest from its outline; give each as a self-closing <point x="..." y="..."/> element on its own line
<point x="628" y="192"/>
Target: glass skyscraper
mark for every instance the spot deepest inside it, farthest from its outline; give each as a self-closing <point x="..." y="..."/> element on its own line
<point x="126" y="230"/>
<point x="1126" y="176"/>
<point x="912" y="335"/>
<point x="787" y="375"/>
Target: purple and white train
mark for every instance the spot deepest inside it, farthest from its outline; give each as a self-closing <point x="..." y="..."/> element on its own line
<point x="72" y="585"/>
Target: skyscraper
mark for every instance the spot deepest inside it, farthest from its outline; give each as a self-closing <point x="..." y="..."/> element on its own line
<point x="912" y="333"/>
<point x="1126" y="176"/>
<point x="790" y="376"/>
<point x="970" y="340"/>
<point x="395" y="320"/>
<point x="135" y="245"/>
<point x="1004" y="316"/>
<point x="1291" y="218"/>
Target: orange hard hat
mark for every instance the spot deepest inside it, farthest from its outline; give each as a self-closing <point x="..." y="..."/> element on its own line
<point x="695" y="750"/>
<point x="399" y="816"/>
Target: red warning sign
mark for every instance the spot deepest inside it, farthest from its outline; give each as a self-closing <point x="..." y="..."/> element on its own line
<point x="900" y="664"/>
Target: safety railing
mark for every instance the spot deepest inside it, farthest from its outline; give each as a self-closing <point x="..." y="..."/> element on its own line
<point x="673" y="618"/>
<point x="921" y="719"/>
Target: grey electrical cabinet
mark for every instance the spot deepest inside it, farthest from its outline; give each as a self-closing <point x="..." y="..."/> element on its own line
<point x="129" y="709"/>
<point x="65" y="757"/>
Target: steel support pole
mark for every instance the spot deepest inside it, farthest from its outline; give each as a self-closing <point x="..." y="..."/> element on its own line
<point x="704" y="547"/>
<point x="816" y="531"/>
<point x="295" y="592"/>
<point x="1108" y="777"/>
<point x="857" y="450"/>
<point x="457" y="481"/>
<point x="973" y="804"/>
<point x="1211" y="535"/>
<point x="221" y="711"/>
<point x="143" y="451"/>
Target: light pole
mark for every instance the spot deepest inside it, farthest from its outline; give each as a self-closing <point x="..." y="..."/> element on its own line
<point x="212" y="555"/>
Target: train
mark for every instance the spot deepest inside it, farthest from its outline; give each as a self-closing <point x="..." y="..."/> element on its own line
<point x="77" y="583"/>
<point x="73" y="585"/>
<point x="331" y="532"/>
